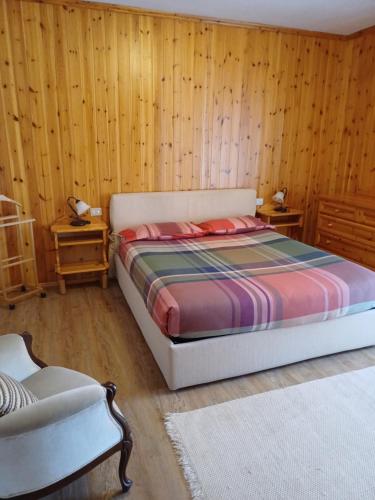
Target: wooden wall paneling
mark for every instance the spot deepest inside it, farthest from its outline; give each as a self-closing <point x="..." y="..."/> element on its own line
<point x="124" y="100"/>
<point x="323" y="135"/>
<point x="170" y="88"/>
<point x="100" y="110"/>
<point x="96" y="100"/>
<point x="249" y="125"/>
<point x="347" y="143"/>
<point x="156" y="45"/>
<point x="334" y="105"/>
<point x="292" y="49"/>
<point x="36" y="80"/>
<point x="12" y="152"/>
<point x="243" y="174"/>
<point x="163" y="117"/>
<point x="7" y="167"/>
<point x="366" y="121"/>
<point x="6" y="180"/>
<point x="355" y="110"/>
<point x="218" y="56"/>
<point x="279" y="79"/>
<point x="312" y="189"/>
<point x="328" y="129"/>
<point x="304" y="134"/>
<point x="179" y="86"/>
<point x="51" y="84"/>
<point x="197" y="110"/>
<point x="338" y="105"/>
<point x="17" y="135"/>
<point x="135" y="93"/>
<point x="55" y="206"/>
<point x="146" y="104"/>
<point x="33" y="82"/>
<point x="208" y="90"/>
<point x="302" y="156"/>
<point x="64" y="138"/>
<point x="223" y="117"/>
<point x="89" y="114"/>
<point x="226" y="107"/>
<point x="358" y="100"/>
<point x="269" y="172"/>
<point x="74" y="63"/>
<point x="338" y="183"/>
<point x="186" y="40"/>
<point x="113" y="174"/>
<point x="341" y="180"/>
<point x="259" y="106"/>
<point x="233" y="78"/>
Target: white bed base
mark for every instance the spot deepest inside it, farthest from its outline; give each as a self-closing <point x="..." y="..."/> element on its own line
<point x="217" y="358"/>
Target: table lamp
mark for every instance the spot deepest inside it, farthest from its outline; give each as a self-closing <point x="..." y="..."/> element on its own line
<point x="280" y="198"/>
<point x="80" y="208"/>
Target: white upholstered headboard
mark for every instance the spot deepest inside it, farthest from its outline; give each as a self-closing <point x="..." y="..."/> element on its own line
<point x="130" y="209"/>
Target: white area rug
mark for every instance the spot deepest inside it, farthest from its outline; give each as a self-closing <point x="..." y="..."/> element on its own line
<point x="306" y="442"/>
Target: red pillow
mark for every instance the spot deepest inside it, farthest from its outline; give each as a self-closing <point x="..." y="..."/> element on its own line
<point x="234" y="225"/>
<point x="162" y="231"/>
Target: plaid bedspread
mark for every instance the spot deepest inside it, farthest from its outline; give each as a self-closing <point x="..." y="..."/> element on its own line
<point x="219" y="285"/>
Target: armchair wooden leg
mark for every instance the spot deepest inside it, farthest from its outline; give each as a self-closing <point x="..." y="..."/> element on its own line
<point x="127" y="442"/>
<point x="125" y="455"/>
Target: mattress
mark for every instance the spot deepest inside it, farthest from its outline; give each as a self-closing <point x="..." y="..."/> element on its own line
<point x="222" y="285"/>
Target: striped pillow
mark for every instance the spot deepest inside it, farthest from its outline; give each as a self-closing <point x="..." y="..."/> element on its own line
<point x="234" y="225"/>
<point x="13" y="395"/>
<point x="162" y="231"/>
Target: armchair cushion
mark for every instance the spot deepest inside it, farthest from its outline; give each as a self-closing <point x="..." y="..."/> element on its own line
<point x="13" y="395"/>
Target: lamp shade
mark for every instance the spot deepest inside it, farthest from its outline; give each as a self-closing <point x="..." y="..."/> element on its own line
<point x="279" y="197"/>
<point x="82" y="207"/>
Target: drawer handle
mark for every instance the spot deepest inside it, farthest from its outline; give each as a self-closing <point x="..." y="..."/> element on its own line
<point x="337" y="210"/>
<point x="328" y="242"/>
<point x="330" y="224"/>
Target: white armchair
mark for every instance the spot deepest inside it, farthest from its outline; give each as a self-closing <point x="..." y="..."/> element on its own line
<point x="74" y="426"/>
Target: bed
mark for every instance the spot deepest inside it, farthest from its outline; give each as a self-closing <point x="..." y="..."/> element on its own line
<point x="217" y="357"/>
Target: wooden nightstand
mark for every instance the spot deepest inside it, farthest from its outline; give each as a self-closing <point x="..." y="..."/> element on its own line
<point x="285" y="222"/>
<point x="80" y="251"/>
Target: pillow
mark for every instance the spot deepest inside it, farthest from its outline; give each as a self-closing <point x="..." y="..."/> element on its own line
<point x="162" y="231"/>
<point x="234" y="225"/>
<point x="13" y="395"/>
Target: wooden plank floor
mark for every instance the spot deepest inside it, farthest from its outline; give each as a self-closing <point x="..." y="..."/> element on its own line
<point x="93" y="330"/>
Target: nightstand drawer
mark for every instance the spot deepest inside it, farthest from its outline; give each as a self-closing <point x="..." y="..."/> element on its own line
<point x="337" y="210"/>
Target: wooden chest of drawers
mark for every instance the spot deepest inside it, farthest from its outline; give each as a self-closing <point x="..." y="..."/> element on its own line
<point x="346" y="227"/>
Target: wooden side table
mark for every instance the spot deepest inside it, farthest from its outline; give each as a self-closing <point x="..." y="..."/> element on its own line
<point x="285" y="222"/>
<point x="80" y="250"/>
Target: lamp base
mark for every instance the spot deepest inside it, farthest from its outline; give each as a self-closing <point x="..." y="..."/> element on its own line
<point x="80" y="222"/>
<point x="281" y="209"/>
